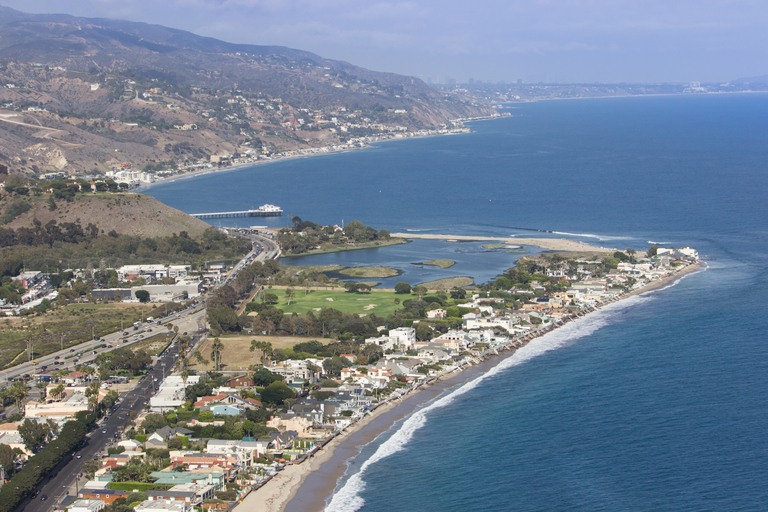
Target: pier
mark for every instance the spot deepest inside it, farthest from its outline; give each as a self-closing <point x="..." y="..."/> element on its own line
<point x="267" y="210"/>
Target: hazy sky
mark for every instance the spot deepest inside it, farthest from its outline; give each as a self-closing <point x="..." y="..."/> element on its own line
<point x="497" y="40"/>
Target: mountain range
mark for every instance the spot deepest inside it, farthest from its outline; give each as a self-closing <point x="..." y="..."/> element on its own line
<point x="81" y="94"/>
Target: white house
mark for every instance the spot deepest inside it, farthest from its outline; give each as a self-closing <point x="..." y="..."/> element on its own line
<point x="403" y="336"/>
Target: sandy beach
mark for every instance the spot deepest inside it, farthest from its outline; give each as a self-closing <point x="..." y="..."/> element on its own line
<point x="305" y="487"/>
<point x="552" y="244"/>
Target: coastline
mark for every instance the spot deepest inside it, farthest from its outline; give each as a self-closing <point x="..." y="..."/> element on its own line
<point x="362" y="145"/>
<point x="307" y="486"/>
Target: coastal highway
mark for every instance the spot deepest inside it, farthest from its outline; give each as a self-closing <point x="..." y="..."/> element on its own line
<point x="186" y="319"/>
<point x="66" y="478"/>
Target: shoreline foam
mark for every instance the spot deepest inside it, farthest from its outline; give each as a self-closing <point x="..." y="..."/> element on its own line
<point x="286" y="491"/>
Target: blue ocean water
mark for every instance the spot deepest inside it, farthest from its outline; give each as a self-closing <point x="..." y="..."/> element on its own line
<point x="655" y="403"/>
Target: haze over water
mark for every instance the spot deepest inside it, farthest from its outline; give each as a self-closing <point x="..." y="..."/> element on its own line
<point x="656" y="403"/>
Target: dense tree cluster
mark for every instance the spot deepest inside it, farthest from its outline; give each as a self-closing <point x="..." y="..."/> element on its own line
<point x="40" y="465"/>
<point x="305" y="235"/>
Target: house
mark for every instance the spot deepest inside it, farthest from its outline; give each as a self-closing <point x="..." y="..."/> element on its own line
<point x="385" y="342"/>
<point x="294" y="372"/>
<point x="196" y="460"/>
<point x="403" y="336"/>
<point x="437" y="314"/>
<point x="200" y="476"/>
<point x="172" y="393"/>
<point x="9" y="435"/>
<point x="245" y="451"/>
<point x="240" y="382"/>
<point x="165" y="433"/>
<point x="291" y="422"/>
<point x="164" y="506"/>
<point x="108" y="496"/>
<point x="86" y="505"/>
<point x="228" y="399"/>
<point x="191" y="494"/>
<point x="130" y="445"/>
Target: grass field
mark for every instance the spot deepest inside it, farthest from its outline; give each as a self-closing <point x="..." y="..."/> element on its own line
<point x="381" y="303"/>
<point x="154" y="345"/>
<point x="237" y="353"/>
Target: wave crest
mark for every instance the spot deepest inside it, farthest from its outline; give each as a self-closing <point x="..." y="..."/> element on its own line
<point x="348" y="499"/>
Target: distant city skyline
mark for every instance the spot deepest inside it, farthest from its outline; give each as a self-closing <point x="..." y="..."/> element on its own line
<point x="554" y="41"/>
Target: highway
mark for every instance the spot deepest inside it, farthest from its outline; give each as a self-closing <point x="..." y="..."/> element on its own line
<point x="68" y="477"/>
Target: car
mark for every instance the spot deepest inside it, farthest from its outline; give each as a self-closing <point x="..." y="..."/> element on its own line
<point x="103" y="431"/>
<point x="149" y="330"/>
<point x="57" y="357"/>
<point x="71" y="350"/>
<point x="34" y="362"/>
<point x="43" y="497"/>
<point x="79" y="455"/>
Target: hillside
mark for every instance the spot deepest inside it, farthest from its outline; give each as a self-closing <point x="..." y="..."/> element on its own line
<point x="125" y="214"/>
<point x="81" y="95"/>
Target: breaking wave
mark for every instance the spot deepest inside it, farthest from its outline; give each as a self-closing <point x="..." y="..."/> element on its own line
<point x="348" y="497"/>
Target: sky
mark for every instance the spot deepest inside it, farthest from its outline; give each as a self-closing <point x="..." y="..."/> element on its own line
<point x="564" y="41"/>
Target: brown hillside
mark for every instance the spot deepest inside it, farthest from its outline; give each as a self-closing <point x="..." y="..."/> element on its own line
<point x="129" y="214"/>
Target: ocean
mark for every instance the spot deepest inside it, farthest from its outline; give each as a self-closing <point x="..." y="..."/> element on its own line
<point x="658" y="402"/>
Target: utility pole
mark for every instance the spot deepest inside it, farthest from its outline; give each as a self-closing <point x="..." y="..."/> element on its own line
<point x="62" y="342"/>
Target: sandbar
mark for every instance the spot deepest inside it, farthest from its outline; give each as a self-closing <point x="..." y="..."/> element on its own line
<point x="552" y="244"/>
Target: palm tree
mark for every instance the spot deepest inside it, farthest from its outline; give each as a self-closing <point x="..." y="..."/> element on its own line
<point x="58" y="390"/>
<point x="198" y="357"/>
<point x="184" y="376"/>
<point x="92" y="392"/>
<point x="254" y="345"/>
<point x="266" y="351"/>
<point x="216" y="353"/>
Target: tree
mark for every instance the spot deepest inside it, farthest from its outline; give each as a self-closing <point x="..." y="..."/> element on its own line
<point x="420" y="290"/>
<point x="205" y="416"/>
<point x="276" y="393"/>
<point x="175" y="443"/>
<point x="289" y="295"/>
<point x="34" y="434"/>
<point x="16" y="392"/>
<point x="263" y="377"/>
<point x="154" y="422"/>
<point x="254" y="345"/>
<point x="402" y="288"/>
<point x="90" y="467"/>
<point x="334" y="365"/>
<point x="8" y="458"/>
<point x="216" y="348"/>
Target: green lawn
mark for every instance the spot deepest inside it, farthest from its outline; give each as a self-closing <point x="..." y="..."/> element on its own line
<point x="383" y="302"/>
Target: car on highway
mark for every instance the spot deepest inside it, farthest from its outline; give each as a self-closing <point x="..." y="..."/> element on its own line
<point x="34" y="362"/>
<point x="57" y="357"/>
<point x="79" y="455"/>
<point x="43" y="497"/>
